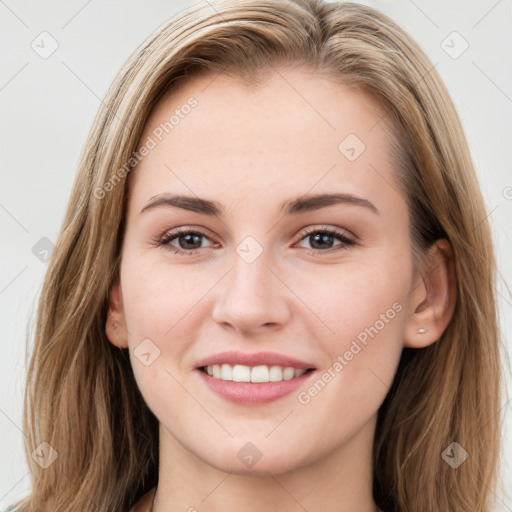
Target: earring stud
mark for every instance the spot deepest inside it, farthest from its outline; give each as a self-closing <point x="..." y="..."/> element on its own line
<point x="422" y="330"/>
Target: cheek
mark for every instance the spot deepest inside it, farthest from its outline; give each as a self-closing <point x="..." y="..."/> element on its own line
<point x="362" y="306"/>
<point x="357" y="294"/>
<point x="158" y="323"/>
<point x="155" y="295"/>
<point x="365" y="312"/>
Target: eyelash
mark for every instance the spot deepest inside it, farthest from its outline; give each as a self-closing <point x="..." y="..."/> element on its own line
<point x="170" y="236"/>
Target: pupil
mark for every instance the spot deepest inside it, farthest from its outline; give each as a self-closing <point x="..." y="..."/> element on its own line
<point x="317" y="239"/>
<point x="322" y="238"/>
<point x="189" y="239"/>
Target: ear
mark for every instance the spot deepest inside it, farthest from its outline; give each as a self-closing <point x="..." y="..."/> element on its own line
<point x="433" y="297"/>
<point x="115" y="327"/>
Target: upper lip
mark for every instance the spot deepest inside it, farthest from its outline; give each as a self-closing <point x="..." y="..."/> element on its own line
<point x="254" y="359"/>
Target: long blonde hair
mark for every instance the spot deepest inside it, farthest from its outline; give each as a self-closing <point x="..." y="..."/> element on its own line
<point x="81" y="396"/>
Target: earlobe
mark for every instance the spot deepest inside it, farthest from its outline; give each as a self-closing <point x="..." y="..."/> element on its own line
<point x="432" y="298"/>
<point x="115" y="327"/>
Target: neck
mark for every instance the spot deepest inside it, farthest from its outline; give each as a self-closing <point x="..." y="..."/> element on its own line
<point x="338" y="481"/>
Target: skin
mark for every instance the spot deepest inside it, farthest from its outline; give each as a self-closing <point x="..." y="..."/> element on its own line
<point x="250" y="149"/>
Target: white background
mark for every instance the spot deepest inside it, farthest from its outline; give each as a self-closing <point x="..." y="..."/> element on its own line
<point x="48" y="105"/>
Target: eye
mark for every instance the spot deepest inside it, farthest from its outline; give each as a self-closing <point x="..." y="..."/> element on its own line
<point x="321" y="239"/>
<point x="189" y="241"/>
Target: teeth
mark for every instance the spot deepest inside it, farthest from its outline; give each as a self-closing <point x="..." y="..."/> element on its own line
<point x="226" y="372"/>
<point x="240" y="373"/>
<point x="262" y="373"/>
<point x="288" y="373"/>
<point x="275" y="374"/>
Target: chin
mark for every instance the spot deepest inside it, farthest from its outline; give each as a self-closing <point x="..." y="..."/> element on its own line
<point x="248" y="459"/>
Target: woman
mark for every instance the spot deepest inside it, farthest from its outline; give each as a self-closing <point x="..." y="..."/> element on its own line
<point x="273" y="287"/>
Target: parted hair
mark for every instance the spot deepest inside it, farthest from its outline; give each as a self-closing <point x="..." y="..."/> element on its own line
<point x="81" y="395"/>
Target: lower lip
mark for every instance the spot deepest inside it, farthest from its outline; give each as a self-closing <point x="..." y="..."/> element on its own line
<point x="253" y="393"/>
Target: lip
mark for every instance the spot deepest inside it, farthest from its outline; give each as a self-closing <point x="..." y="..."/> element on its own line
<point x="254" y="359"/>
<point x="253" y="393"/>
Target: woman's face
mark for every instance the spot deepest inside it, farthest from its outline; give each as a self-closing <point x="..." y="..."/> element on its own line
<point x="259" y="277"/>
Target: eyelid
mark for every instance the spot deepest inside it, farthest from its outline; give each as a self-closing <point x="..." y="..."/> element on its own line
<point x="184" y="230"/>
<point x="331" y="229"/>
<point x="340" y="233"/>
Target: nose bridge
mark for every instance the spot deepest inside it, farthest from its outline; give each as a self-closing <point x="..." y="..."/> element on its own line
<point x="251" y="296"/>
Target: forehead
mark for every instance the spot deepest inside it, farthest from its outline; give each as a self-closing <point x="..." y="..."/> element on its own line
<point x="289" y="134"/>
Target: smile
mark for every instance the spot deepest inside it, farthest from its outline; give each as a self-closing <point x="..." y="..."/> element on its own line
<point x="260" y="373"/>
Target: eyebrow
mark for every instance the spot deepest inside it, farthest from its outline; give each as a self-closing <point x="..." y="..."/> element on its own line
<point x="301" y="204"/>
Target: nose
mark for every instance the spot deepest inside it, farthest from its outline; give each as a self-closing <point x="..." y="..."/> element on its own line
<point x="252" y="298"/>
